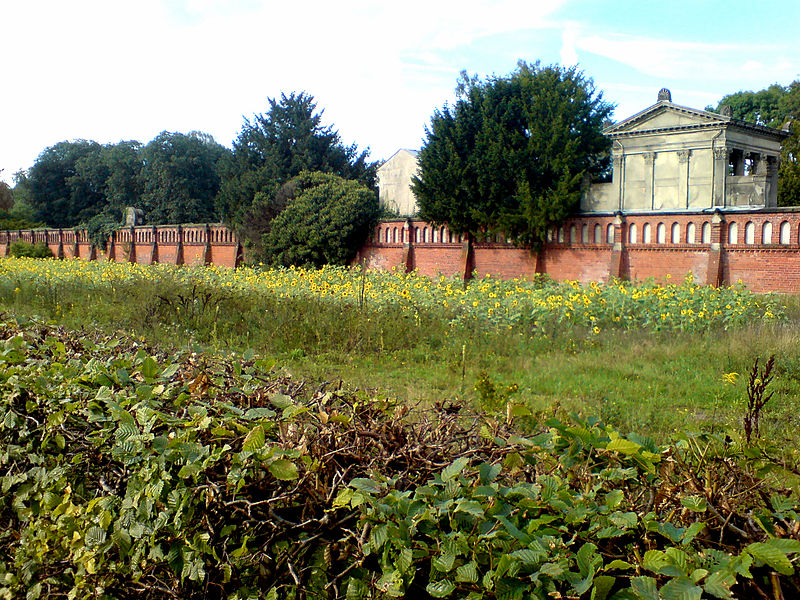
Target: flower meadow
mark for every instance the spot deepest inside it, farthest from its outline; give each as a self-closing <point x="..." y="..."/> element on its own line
<point x="536" y="304"/>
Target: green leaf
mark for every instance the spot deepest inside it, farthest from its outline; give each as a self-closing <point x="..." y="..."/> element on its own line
<point x="95" y="536"/>
<point x="454" y="469"/>
<point x="587" y="559"/>
<point x="623" y="446"/>
<point x="283" y="469"/>
<point x="695" y="503"/>
<point x="654" y="560"/>
<point x="254" y="440"/>
<point x="774" y="557"/>
<point x="603" y="585"/>
<point x="614" y="498"/>
<point x="467" y="573"/>
<point x="488" y="473"/>
<point x="258" y="413"/>
<point x="719" y="583"/>
<point x="681" y="588"/>
<point x="471" y="507"/>
<point x="784" y="544"/>
<point x="440" y="589"/>
<point x="691" y="532"/>
<point x="444" y="562"/>
<point x="356" y="590"/>
<point x="150" y="368"/>
<point x="404" y="560"/>
<point x="367" y="485"/>
<point x="645" y="588"/>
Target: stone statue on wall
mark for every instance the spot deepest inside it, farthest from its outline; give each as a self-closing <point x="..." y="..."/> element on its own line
<point x="133" y="216"/>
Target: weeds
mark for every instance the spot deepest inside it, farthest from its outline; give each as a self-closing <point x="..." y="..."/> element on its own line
<point x="757" y="397"/>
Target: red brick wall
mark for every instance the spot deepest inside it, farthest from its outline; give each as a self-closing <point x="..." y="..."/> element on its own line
<point x="174" y="244"/>
<point x="760" y="247"/>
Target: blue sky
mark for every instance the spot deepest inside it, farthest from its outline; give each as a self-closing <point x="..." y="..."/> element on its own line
<point x="120" y="70"/>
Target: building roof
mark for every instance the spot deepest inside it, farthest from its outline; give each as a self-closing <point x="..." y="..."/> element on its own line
<point x="684" y="119"/>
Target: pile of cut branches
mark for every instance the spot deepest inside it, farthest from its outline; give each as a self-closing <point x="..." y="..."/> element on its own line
<point x="129" y="471"/>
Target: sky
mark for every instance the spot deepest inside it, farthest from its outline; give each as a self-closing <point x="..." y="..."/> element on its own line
<point x="112" y="70"/>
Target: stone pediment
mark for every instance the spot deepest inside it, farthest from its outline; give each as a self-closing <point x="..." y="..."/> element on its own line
<point x="666" y="116"/>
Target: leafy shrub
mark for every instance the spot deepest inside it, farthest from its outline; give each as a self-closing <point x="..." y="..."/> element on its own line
<point x="21" y="248"/>
<point x="325" y="222"/>
<point x="128" y="471"/>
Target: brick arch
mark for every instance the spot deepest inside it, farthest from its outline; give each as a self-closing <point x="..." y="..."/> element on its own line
<point x="647" y="234"/>
<point x="785" y="233"/>
<point x="750" y="233"/>
<point x="766" y="232"/>
<point x="733" y="232"/>
<point x="691" y="233"/>
<point x="598" y="234"/>
<point x="661" y="233"/>
<point x="633" y="234"/>
<point x="675" y="233"/>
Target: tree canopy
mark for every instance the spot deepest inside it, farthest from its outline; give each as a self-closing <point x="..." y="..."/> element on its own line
<point x="775" y="106"/>
<point x="513" y="153"/>
<point x="326" y="220"/>
<point x="180" y="178"/>
<point x="276" y="146"/>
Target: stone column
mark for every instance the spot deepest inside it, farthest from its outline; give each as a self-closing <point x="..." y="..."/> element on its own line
<point x="649" y="177"/>
<point x="179" y="248"/>
<point x="618" y="176"/>
<point x="718" y="175"/>
<point x="683" y="175"/>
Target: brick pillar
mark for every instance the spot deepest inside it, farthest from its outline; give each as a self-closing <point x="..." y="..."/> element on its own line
<point x="407" y="261"/>
<point x="76" y="253"/>
<point x="60" y="251"/>
<point x="207" y="246"/>
<point x="132" y="251"/>
<point x="154" y="246"/>
<point x="467" y="258"/>
<point x="111" y="251"/>
<point x="715" y="275"/>
<point x="616" y="268"/>
<point x="179" y="249"/>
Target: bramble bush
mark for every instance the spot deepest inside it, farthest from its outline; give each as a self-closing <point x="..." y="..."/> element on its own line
<point x="129" y="471"/>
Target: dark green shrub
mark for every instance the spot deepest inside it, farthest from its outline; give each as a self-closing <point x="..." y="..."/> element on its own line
<point x="21" y="248"/>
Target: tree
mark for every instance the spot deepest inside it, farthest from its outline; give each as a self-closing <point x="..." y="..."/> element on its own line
<point x="512" y="155"/>
<point x="326" y="220"/>
<point x="274" y="147"/>
<point x="6" y="196"/>
<point x="775" y="106"/>
<point x="61" y="194"/>
<point x="180" y="178"/>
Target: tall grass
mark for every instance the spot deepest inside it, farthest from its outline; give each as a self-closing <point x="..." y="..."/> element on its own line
<point x="636" y="377"/>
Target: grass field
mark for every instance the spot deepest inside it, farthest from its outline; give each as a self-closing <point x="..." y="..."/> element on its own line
<point x="647" y="358"/>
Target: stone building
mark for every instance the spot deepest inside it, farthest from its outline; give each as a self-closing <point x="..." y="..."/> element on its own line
<point x="666" y="158"/>
<point x="394" y="182"/>
<point x="670" y="158"/>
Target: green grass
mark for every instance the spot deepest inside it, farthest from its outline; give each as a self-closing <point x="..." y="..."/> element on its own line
<point x="645" y="380"/>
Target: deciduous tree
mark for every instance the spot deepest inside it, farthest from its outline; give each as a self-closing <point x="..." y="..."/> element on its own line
<point x="180" y="178"/>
